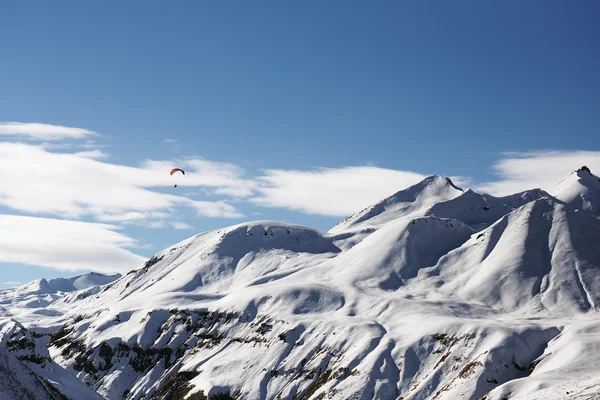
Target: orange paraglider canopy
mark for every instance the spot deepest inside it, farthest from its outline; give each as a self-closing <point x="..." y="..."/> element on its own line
<point x="177" y="169"/>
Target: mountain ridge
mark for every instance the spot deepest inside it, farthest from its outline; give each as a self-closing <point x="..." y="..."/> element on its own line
<point x="32" y="300"/>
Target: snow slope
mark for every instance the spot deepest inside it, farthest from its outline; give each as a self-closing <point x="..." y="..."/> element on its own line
<point x="434" y="293"/>
<point x="395" y="253"/>
<point x="518" y="199"/>
<point x="544" y="256"/>
<point x="471" y="208"/>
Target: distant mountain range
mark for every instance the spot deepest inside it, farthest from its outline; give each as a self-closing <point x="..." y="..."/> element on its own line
<point x="436" y="292"/>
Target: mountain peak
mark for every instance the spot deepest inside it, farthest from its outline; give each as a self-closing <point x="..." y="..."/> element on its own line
<point x="420" y="196"/>
<point x="448" y="181"/>
<point x="584" y="169"/>
<point x="580" y="189"/>
<point x="437" y="180"/>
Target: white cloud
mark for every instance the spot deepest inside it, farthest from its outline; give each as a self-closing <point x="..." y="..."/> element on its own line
<point x="170" y="141"/>
<point x="153" y="219"/>
<point x="35" y="180"/>
<point x="222" y="178"/>
<point x="157" y="224"/>
<point x="181" y="225"/>
<point x="57" y="145"/>
<point x="65" y="245"/>
<point x="540" y="169"/>
<point x="88" y="148"/>
<point x="11" y="283"/>
<point x="331" y="191"/>
<point x="39" y="131"/>
<point x="125" y="217"/>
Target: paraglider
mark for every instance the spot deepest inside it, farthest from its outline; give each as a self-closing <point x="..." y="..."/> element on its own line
<point x="175" y="170"/>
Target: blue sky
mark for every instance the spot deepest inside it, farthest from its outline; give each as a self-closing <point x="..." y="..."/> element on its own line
<point x="314" y="110"/>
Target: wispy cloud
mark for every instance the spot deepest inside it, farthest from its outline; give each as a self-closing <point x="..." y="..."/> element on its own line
<point x="331" y="191"/>
<point x="65" y="245"/>
<point x="181" y="225"/>
<point x="38" y="131"/>
<point x="157" y="224"/>
<point x="73" y="185"/>
<point x="172" y="144"/>
<point x="92" y="145"/>
<point x="11" y="283"/>
<point x="541" y="169"/>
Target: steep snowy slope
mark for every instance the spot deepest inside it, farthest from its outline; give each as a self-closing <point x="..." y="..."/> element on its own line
<point x="396" y="252"/>
<point x="544" y="256"/>
<point x="580" y="189"/>
<point x="31" y="349"/>
<point x="19" y="382"/>
<point x="33" y="299"/>
<point x="569" y="368"/>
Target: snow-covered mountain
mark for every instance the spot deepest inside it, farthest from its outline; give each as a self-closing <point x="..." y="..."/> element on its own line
<point x="437" y="196"/>
<point x="78" y="282"/>
<point x="543" y="256"/>
<point x="32" y="300"/>
<point x="436" y="292"/>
